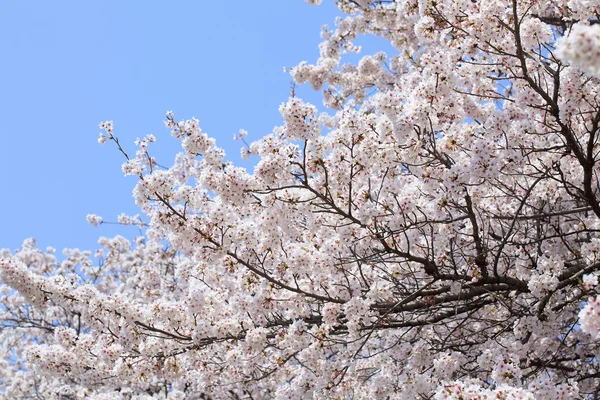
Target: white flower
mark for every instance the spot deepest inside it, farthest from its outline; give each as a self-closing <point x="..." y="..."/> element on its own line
<point x="94" y="219"/>
<point x="590" y="281"/>
<point x="581" y="48"/>
<point x="589" y="317"/>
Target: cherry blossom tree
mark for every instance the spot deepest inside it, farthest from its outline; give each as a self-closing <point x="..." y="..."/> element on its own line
<point x="434" y="233"/>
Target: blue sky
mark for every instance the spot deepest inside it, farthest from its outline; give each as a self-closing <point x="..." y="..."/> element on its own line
<point x="68" y="65"/>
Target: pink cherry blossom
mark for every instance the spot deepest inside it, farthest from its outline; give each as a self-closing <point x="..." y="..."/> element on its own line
<point x="432" y="230"/>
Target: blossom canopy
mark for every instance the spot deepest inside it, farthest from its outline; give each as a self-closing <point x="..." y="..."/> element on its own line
<point x="433" y="233"/>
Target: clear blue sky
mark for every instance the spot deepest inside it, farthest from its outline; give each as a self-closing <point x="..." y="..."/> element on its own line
<point x="67" y="65"/>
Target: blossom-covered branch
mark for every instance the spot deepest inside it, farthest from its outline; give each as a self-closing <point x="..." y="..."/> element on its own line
<point x="434" y="233"/>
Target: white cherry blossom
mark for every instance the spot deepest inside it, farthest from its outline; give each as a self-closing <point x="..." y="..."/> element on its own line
<point x="431" y="231"/>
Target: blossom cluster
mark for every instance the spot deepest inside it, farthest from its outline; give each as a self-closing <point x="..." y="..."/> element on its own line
<point x="581" y="48"/>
